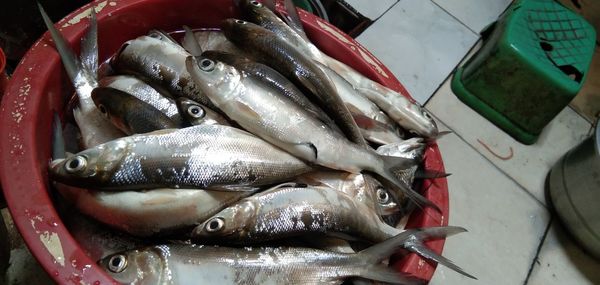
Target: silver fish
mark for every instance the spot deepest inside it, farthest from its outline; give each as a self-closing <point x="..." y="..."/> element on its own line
<point x="374" y="196"/>
<point x="97" y="240"/>
<point x="273" y="79"/>
<point x="197" y="264"/>
<point x="265" y="47"/>
<point x="211" y="157"/>
<point x="94" y="127"/>
<point x="412" y="149"/>
<point x="291" y="211"/>
<point x="264" y="112"/>
<point x="405" y="112"/>
<point x="130" y="114"/>
<point x="160" y="62"/>
<point x="295" y="211"/>
<point x="141" y="90"/>
<point x="151" y="212"/>
<point x="375" y="125"/>
<point x="198" y="114"/>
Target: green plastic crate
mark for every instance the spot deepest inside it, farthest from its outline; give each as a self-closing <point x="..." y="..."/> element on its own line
<point x="533" y="61"/>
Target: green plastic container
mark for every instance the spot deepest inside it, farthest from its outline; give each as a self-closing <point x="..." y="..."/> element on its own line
<point x="533" y="61"/>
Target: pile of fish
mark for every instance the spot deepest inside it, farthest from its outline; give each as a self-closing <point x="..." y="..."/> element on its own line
<point x="244" y="136"/>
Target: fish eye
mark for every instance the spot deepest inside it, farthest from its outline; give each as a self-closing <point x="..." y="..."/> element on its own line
<point x="155" y="35"/>
<point x="207" y="64"/>
<point x="214" y="225"/>
<point x="196" y="111"/>
<point x="255" y="4"/>
<point x="240" y="22"/>
<point x="102" y="109"/>
<point x="117" y="263"/>
<point x="76" y="164"/>
<point x="382" y="196"/>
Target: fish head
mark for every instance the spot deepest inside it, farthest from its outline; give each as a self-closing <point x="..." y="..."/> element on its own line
<point x="92" y="167"/>
<point x="144" y="266"/>
<point x="192" y="111"/>
<point x="425" y="125"/>
<point x="229" y="224"/>
<point x="255" y="11"/>
<point x="217" y="80"/>
<point x="112" y="104"/>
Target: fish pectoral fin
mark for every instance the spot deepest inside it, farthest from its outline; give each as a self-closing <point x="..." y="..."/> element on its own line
<point x="248" y="111"/>
<point x="305" y="150"/>
<point x="233" y="188"/>
<point x="343" y="236"/>
<point x="284" y="185"/>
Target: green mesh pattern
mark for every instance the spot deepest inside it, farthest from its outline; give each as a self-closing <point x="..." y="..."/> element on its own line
<point x="547" y="32"/>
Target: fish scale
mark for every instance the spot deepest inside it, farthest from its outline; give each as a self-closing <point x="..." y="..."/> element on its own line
<point x="291" y="211"/>
<point x="201" y="264"/>
<point x="209" y="157"/>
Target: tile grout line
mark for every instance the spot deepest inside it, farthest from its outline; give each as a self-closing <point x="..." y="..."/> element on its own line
<point x="523" y="188"/>
<point x="384" y="12"/>
<point x="539" y="249"/>
<point x="455" y="18"/>
<point x="452" y="72"/>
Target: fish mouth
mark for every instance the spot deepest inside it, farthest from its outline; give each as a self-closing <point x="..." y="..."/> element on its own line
<point x="55" y="163"/>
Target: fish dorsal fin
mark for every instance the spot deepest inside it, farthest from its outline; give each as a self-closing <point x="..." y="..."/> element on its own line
<point x="190" y="44"/>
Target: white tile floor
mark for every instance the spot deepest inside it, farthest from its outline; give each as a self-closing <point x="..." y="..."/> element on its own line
<point x="511" y="238"/>
<point x="501" y="201"/>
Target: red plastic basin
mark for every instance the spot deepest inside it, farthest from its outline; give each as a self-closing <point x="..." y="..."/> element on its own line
<point x="39" y="85"/>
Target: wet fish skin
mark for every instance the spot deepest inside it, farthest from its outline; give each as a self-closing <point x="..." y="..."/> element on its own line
<point x="151" y="212"/>
<point x="355" y="186"/>
<point x="272" y="78"/>
<point x="264" y="112"/>
<point x="94" y="127"/>
<point x="197" y="114"/>
<point x="211" y="157"/>
<point x="130" y="114"/>
<point x="294" y="211"/>
<point x="405" y="112"/>
<point x="160" y="62"/>
<point x="414" y="118"/>
<point x="375" y="125"/>
<point x="192" y="264"/>
<point x="263" y="16"/>
<point x="265" y="47"/>
<point x="145" y="92"/>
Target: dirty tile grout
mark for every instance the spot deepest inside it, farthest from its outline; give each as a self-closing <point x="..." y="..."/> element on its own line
<point x="539" y="249"/>
<point x="455" y="18"/>
<point x="384" y="12"/>
<point x="490" y="161"/>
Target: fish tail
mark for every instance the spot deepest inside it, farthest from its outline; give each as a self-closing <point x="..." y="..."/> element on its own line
<point x="89" y="46"/>
<point x="390" y="163"/>
<point x="416" y="245"/>
<point x="70" y="61"/>
<point x="411" y="240"/>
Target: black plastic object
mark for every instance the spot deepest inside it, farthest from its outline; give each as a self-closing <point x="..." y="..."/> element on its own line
<point x="345" y="17"/>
